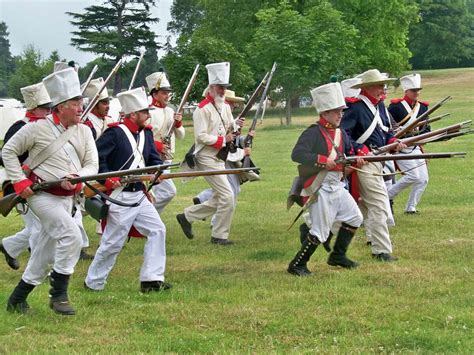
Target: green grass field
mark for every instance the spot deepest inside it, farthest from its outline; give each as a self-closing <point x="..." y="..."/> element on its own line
<point x="241" y="300"/>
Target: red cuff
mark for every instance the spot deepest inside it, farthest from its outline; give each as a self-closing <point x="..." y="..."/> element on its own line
<point x="392" y="140"/>
<point x="159" y="146"/>
<point x="363" y="151"/>
<point x="322" y="159"/>
<point x="20" y="186"/>
<point x="78" y="187"/>
<point x="25" y="167"/>
<point x="219" y="143"/>
<point x="178" y="124"/>
<point x="110" y="181"/>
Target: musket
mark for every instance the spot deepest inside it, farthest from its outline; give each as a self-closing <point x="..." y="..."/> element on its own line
<point x="91" y="75"/>
<point x="231" y="147"/>
<point x="249" y="139"/>
<point x="422" y="117"/>
<point x="142" y="53"/>
<point x="445" y="137"/>
<point x="95" y="99"/>
<point x="431" y="120"/>
<point x="8" y="202"/>
<point x="306" y="171"/>
<point x="413" y="140"/>
<point x="146" y="178"/>
<point x="167" y="137"/>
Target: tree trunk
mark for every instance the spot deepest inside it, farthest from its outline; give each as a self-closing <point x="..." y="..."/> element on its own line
<point x="117" y="79"/>
<point x="295" y="102"/>
<point x="288" y="110"/>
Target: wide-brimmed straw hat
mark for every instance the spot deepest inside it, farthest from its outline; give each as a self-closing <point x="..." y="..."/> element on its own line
<point x="230" y="96"/>
<point x="372" y="77"/>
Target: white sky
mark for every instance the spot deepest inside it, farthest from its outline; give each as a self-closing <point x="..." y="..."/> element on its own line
<point x="44" y="24"/>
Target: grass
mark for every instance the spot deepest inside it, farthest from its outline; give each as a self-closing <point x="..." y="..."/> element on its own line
<point x="241" y="299"/>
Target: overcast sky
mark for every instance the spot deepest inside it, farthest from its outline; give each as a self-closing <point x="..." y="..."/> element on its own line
<point x="44" y="24"/>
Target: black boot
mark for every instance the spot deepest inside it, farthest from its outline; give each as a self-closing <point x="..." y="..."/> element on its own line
<point x="11" y="261"/>
<point x="338" y="256"/>
<point x="59" y="301"/>
<point x="17" y="300"/>
<point x="84" y="255"/>
<point x="327" y="243"/>
<point x="297" y="266"/>
<point x="304" y="231"/>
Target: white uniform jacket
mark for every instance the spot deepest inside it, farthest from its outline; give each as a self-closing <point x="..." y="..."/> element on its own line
<point x="161" y="119"/>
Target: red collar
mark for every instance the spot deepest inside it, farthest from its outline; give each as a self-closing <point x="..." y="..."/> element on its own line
<point x="56" y="119"/>
<point x="98" y="116"/>
<point x="408" y="100"/>
<point x="156" y="103"/>
<point x="370" y="97"/>
<point x="133" y="127"/>
<point x="31" y="117"/>
<point x="210" y="98"/>
<point x="325" y="123"/>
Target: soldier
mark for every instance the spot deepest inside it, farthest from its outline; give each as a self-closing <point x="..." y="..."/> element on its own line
<point x="368" y="125"/>
<point x="321" y="145"/>
<point x="38" y="106"/>
<point x="162" y="118"/>
<point x="58" y="147"/>
<point x="130" y="145"/>
<point x="98" y="116"/>
<point x="405" y="111"/>
<point x="213" y="129"/>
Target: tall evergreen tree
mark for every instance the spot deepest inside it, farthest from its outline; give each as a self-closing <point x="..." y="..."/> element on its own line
<point x="7" y="63"/>
<point x="115" y="29"/>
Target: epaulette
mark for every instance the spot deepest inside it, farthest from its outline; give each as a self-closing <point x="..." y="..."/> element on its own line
<point x="150" y="127"/>
<point x="204" y="102"/>
<point x="88" y="123"/>
<point x="395" y="101"/>
<point x="351" y="100"/>
<point x="113" y="124"/>
<point x="426" y="103"/>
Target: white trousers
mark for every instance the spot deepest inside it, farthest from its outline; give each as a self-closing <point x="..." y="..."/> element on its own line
<point x="164" y="192"/>
<point x="375" y="207"/>
<point x="120" y="219"/>
<point x="27" y="237"/>
<point x="78" y="218"/>
<point x="334" y="205"/>
<point x="59" y="241"/>
<point x="416" y="177"/>
<point x="221" y="202"/>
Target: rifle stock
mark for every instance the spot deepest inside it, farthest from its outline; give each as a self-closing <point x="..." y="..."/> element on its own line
<point x="8" y="202"/>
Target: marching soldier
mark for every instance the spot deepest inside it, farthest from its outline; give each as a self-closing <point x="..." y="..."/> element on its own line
<point x="38" y="106"/>
<point x="162" y="118"/>
<point x="405" y="111"/>
<point x="368" y="125"/>
<point x="321" y="145"/>
<point x="213" y="129"/>
<point x="98" y="116"/>
<point x="58" y="147"/>
<point x="130" y="145"/>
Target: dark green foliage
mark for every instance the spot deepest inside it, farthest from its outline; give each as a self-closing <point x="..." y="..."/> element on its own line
<point x="7" y="64"/>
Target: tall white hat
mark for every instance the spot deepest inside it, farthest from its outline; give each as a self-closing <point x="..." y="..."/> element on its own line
<point x="218" y="73"/>
<point x="347" y="85"/>
<point x="63" y="85"/>
<point x="372" y="77"/>
<point x="328" y="97"/>
<point x="411" y="81"/>
<point x="134" y="100"/>
<point x="63" y="65"/>
<point x="35" y="95"/>
<point x="93" y="87"/>
<point x="158" y="81"/>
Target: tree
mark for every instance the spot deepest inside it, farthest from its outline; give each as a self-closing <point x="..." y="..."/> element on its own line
<point x="444" y="36"/>
<point x="382" y="36"/>
<point x="7" y="63"/>
<point x="31" y="68"/>
<point x="115" y="29"/>
<point x="308" y="46"/>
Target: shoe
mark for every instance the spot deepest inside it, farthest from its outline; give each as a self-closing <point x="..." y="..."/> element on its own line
<point x="411" y="212"/>
<point x="369" y="243"/>
<point x="342" y="262"/>
<point x="85" y="256"/>
<point x="18" y="307"/>
<point x="12" y="262"/>
<point x="343" y="239"/>
<point x="185" y="225"/>
<point x="386" y="257"/>
<point x="196" y="201"/>
<point x="154" y="286"/>
<point x="62" y="307"/>
<point x="300" y="270"/>
<point x="221" y="241"/>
